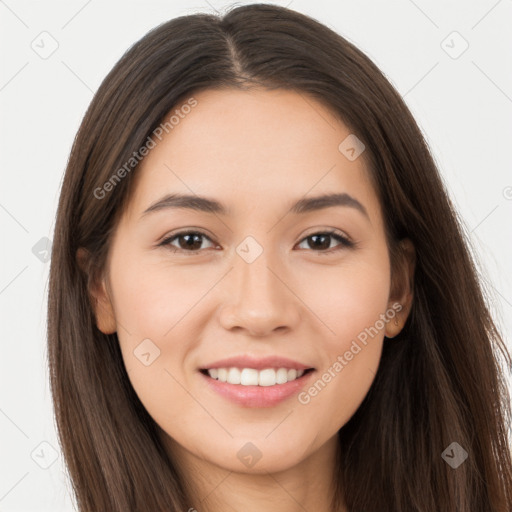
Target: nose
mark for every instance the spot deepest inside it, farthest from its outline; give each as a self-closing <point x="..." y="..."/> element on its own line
<point x="261" y="300"/>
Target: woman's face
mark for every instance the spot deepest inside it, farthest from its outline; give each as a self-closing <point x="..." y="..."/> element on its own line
<point x="262" y="280"/>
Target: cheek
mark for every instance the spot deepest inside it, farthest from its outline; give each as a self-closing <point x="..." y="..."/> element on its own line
<point x="151" y="300"/>
<point x="158" y="314"/>
<point x="348" y="300"/>
<point x="155" y="314"/>
<point x="350" y="303"/>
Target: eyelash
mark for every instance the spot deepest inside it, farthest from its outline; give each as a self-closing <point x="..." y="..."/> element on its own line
<point x="344" y="241"/>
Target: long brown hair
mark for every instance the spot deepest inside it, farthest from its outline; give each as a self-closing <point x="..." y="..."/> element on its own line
<point x="439" y="381"/>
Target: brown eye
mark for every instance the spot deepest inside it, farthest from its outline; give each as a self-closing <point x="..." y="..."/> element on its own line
<point x="188" y="241"/>
<point x="321" y="242"/>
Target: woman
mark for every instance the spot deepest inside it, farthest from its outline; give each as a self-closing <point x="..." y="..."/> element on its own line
<point x="329" y="348"/>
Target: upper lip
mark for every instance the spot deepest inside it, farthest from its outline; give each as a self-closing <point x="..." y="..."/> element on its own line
<point x="256" y="363"/>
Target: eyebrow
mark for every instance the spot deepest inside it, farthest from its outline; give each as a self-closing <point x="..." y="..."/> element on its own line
<point x="208" y="205"/>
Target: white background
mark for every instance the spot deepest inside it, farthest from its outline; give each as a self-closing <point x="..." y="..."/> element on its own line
<point x="463" y="105"/>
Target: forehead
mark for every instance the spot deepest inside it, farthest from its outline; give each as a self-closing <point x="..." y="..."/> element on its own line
<point x="256" y="148"/>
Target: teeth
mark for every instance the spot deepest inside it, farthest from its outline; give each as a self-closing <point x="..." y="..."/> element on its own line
<point x="233" y="376"/>
<point x="252" y="377"/>
<point x="249" y="377"/>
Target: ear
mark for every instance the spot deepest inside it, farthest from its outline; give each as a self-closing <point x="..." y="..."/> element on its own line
<point x="402" y="290"/>
<point x="98" y="294"/>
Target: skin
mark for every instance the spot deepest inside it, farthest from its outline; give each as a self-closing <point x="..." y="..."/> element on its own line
<point x="257" y="152"/>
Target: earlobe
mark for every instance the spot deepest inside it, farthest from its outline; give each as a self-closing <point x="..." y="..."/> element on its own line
<point x="103" y="309"/>
<point x="100" y="298"/>
<point x="402" y="288"/>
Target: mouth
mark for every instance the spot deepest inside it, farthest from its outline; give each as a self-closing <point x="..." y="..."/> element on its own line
<point x="252" y="377"/>
<point x="256" y="388"/>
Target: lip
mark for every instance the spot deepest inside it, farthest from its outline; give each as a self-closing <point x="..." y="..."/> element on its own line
<point x="257" y="396"/>
<point x="260" y="363"/>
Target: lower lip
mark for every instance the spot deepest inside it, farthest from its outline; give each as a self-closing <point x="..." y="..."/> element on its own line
<point x="258" y="396"/>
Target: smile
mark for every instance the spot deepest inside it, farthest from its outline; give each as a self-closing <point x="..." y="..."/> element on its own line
<point x="253" y="377"/>
<point x="270" y="390"/>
